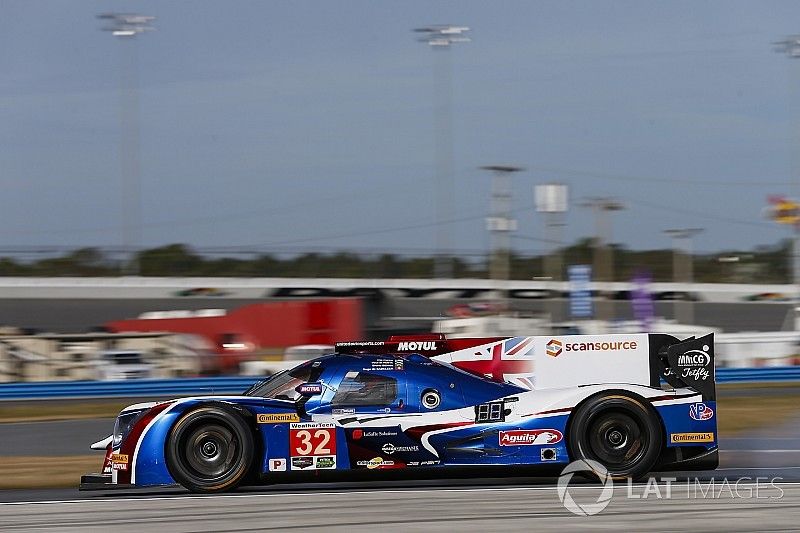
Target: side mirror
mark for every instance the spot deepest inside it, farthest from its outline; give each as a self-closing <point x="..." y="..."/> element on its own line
<point x="309" y="389"/>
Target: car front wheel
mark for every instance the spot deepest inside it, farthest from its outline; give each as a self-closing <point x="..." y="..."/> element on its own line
<point x="210" y="449"/>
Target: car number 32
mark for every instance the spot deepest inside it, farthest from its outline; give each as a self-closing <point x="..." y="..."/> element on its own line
<point x="313" y="442"/>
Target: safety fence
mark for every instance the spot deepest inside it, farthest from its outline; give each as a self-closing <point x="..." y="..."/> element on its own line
<point x="237" y="384"/>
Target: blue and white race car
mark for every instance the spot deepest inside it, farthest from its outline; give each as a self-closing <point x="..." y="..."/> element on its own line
<point x="633" y="403"/>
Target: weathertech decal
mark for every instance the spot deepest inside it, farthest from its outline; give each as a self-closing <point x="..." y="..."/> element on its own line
<point x="278" y="418"/>
<point x="530" y="437"/>
<point x="680" y="438"/>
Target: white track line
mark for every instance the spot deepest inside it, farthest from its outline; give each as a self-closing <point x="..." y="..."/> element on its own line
<point x="346" y="492"/>
<point x="760" y="451"/>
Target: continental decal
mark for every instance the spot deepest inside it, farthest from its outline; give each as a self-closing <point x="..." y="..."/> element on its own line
<point x="278" y="418"/>
<point x="688" y="438"/>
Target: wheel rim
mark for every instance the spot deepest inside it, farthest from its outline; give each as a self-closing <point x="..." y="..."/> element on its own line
<point x="211" y="451"/>
<point x="617" y="439"/>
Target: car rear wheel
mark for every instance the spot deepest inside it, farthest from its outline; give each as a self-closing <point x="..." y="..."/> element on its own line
<point x="210" y="449"/>
<point x="619" y="432"/>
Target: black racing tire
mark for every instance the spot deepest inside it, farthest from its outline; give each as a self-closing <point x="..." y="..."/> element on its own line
<point x="210" y="449"/>
<point x="619" y="432"/>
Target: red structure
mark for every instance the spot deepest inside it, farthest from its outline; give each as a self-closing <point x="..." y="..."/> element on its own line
<point x="238" y="334"/>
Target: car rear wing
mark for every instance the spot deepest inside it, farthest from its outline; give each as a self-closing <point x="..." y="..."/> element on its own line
<point x="683" y="363"/>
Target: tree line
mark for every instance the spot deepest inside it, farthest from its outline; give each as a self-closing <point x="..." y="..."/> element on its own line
<point x="765" y="264"/>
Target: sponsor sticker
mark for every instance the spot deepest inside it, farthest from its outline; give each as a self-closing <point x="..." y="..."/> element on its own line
<point x="530" y="437"/>
<point x="681" y="438"/>
<point x="554" y="348"/>
<point x="390" y="448"/>
<point x="418" y="346"/>
<point x="277" y="465"/>
<point x="311" y="425"/>
<point x="359" y="344"/>
<point x="301" y="463"/>
<point x="695" y="364"/>
<point x="377" y="462"/>
<point x="277" y="418"/>
<point x="700" y="411"/>
<point x="347" y="411"/>
<point x="328" y="461"/>
<point x="309" y="389"/>
<point x="385" y="365"/>
<point x="381" y="433"/>
<point x="119" y="462"/>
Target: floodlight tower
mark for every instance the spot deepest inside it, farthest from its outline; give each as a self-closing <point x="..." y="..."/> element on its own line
<point x="683" y="273"/>
<point x="126" y="26"/>
<point x="440" y="38"/>
<point x="790" y="46"/>
<point x="603" y="256"/>
<point x="500" y="224"/>
<point x="552" y="200"/>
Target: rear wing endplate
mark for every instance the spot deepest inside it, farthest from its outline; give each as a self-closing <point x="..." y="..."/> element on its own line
<point x="683" y="363"/>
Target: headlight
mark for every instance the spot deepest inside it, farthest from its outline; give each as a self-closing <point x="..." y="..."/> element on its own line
<point x="124" y="424"/>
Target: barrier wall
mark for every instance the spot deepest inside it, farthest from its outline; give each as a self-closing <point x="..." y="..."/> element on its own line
<point x="167" y="388"/>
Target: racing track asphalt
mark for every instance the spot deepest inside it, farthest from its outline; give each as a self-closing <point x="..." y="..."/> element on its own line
<point x="62" y="437"/>
<point x="519" y="507"/>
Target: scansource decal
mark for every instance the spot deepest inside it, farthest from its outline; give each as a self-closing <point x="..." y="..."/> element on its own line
<point x="554" y="347"/>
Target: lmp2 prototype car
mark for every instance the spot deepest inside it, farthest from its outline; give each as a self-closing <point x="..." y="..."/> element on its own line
<point x="634" y="403"/>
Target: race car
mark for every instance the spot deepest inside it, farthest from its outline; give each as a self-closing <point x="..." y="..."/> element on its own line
<point x="635" y="403"/>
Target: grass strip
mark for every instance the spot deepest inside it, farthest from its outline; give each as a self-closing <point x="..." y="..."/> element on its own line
<point x="46" y="472"/>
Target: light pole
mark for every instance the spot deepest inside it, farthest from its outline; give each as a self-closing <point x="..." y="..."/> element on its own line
<point x="552" y="200"/>
<point x="603" y="256"/>
<point x="500" y="224"/>
<point x="790" y="46"/>
<point x="126" y="26"/>
<point x="683" y="273"/>
<point x="440" y="38"/>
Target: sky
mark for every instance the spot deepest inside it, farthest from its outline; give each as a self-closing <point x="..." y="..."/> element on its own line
<point x="310" y="125"/>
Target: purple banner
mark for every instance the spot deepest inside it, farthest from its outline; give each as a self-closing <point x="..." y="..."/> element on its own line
<point x="642" y="299"/>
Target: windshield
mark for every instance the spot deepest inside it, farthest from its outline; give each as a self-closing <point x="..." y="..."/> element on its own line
<point x="282" y="385"/>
